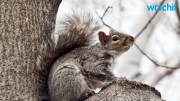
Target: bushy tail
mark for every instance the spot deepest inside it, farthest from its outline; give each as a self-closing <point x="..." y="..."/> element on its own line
<point x="72" y="31"/>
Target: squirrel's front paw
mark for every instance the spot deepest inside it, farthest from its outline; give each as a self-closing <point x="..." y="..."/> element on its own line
<point x="89" y="93"/>
<point x="86" y="95"/>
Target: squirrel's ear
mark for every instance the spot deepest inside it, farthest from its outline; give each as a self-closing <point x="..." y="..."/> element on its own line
<point x="102" y="37"/>
<point x="111" y="32"/>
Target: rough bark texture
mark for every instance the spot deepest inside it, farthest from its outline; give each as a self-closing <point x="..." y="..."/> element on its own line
<point x="126" y="90"/>
<point x="24" y="24"/>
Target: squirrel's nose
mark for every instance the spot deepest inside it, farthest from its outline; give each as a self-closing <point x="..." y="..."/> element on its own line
<point x="131" y="39"/>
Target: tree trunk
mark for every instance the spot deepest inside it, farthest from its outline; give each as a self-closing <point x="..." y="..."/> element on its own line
<point x="24" y="24"/>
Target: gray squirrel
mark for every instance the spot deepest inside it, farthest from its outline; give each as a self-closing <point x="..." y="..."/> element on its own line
<point x="70" y="67"/>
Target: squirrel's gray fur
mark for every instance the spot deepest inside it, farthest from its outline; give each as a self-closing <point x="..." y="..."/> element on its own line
<point x="70" y="68"/>
<point x="74" y="31"/>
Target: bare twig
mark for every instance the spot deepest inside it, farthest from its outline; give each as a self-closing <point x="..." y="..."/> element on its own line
<point x="148" y="22"/>
<point x="153" y="60"/>
<point x="178" y="13"/>
<point x="105" y="12"/>
<point x="103" y="17"/>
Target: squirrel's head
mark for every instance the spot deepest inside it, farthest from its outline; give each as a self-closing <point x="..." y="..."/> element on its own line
<point x="116" y="41"/>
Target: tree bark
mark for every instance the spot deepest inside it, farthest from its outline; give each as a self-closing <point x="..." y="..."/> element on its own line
<point x="24" y="24"/>
<point x="126" y="90"/>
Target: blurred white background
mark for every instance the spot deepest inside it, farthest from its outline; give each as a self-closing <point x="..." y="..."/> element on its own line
<point x="160" y="40"/>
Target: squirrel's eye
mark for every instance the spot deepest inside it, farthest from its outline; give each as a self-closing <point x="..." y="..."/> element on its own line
<point x="115" y="38"/>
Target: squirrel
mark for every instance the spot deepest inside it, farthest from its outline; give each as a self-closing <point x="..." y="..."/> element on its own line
<point x="69" y="67"/>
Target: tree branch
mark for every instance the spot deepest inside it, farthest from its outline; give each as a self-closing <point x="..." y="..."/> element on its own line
<point x="126" y="90"/>
<point x="101" y="18"/>
<point x="153" y="60"/>
<point x="105" y="12"/>
<point x="178" y="13"/>
<point x="148" y="22"/>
